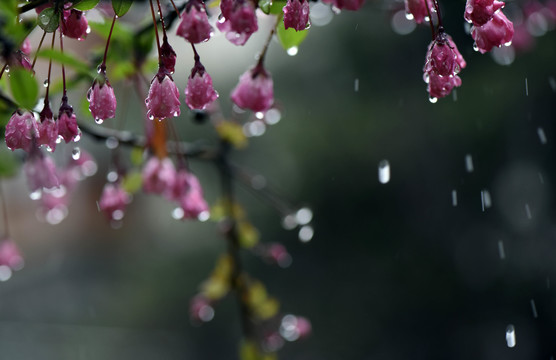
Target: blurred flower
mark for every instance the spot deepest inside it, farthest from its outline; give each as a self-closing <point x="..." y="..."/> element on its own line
<point x="40" y="171"/>
<point x="10" y="255"/>
<point x="159" y="176"/>
<point x="113" y="201"/>
<point x="239" y="20"/>
<point x="254" y="90"/>
<point x="21" y="131"/>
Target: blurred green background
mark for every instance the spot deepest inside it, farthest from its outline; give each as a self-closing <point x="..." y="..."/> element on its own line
<point x="394" y="271"/>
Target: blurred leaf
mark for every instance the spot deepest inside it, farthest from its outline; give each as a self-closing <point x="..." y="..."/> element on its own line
<point x="136" y="156"/>
<point x="121" y="32"/>
<point x="49" y="19"/>
<point x="85" y="4"/>
<point x="218" y="284"/>
<point x="264" y="5"/>
<point x="132" y="182"/>
<point x="276" y="7"/>
<point x="121" y="70"/>
<point x="25" y="89"/>
<point x="250" y="351"/>
<point x="248" y="234"/>
<point x="290" y="38"/>
<point x="8" y="163"/>
<point x="67" y="60"/>
<point x="219" y="210"/>
<point x="121" y="6"/>
<point x="267" y="309"/>
<point x="8" y="7"/>
<point x="232" y="132"/>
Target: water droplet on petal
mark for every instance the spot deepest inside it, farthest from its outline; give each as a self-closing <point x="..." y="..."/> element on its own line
<point x="433" y="99"/>
<point x="99" y="121"/>
<point x="475" y="47"/>
<point x="76" y="153"/>
<point x="259" y="115"/>
<point x="78" y="136"/>
<point x="7" y="69"/>
<point x="384" y="171"/>
<point x="292" y="51"/>
<point x="510" y="336"/>
<point x="35" y="195"/>
<point x="409" y="16"/>
<point x="151" y="117"/>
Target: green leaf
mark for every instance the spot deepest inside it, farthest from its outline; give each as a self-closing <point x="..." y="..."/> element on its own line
<point x="8" y="163"/>
<point x="276" y="7"/>
<point x="136" y="156"/>
<point x="121" y="6"/>
<point x="132" y="182"/>
<point x="67" y="60"/>
<point x="290" y="38"/>
<point x="49" y="20"/>
<point x="25" y="89"/>
<point x="85" y="4"/>
<point x="264" y="5"/>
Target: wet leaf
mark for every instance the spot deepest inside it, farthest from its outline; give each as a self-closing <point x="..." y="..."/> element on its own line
<point x="85" y="4"/>
<point x="276" y="7"/>
<point x="8" y="163"/>
<point x="121" y="6"/>
<point x="248" y="234"/>
<point x="290" y="38"/>
<point x="25" y="89"/>
<point x="232" y="132"/>
<point x="49" y="20"/>
<point x="132" y="182"/>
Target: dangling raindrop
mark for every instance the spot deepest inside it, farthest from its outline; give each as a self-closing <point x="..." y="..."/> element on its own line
<point x="7" y="69"/>
<point x="306" y="233"/>
<point x="99" y="121"/>
<point x="76" y="153"/>
<point x="384" y="171"/>
<point x="468" y="163"/>
<point x="5" y="273"/>
<point x="259" y="115"/>
<point x="46" y="83"/>
<point x="111" y="143"/>
<point x="292" y="51"/>
<point x="304" y="216"/>
<point x="510" y="336"/>
<point x="475" y="47"/>
<point x="433" y="99"/>
<point x="78" y="136"/>
<point x="99" y="69"/>
<point x="35" y="195"/>
<point x="272" y="116"/>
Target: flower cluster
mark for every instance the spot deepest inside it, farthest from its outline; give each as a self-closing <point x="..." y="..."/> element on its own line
<point x="491" y="28"/>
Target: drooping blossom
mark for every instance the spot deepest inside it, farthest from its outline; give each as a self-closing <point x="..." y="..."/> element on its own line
<point x="296" y="14"/>
<point x="48" y="128"/>
<point x="21" y="131"/>
<point x="418" y="9"/>
<point x="159" y="176"/>
<point x="75" y="25"/>
<point x="163" y="100"/>
<point x="194" y="25"/>
<point x="238" y="21"/>
<point x="495" y="33"/>
<point x="26" y="46"/>
<point x="199" y="92"/>
<point x="254" y="90"/>
<point x="40" y="171"/>
<point x="191" y="199"/>
<point x="443" y="63"/>
<point x="10" y="255"/>
<point x="167" y="57"/>
<point x="67" y="122"/>
<point x="479" y="12"/>
<point x="102" y="100"/>
<point x="113" y="201"/>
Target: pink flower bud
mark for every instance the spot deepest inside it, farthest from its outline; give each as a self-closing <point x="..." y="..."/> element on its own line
<point x="440" y="86"/>
<point x="159" y="176"/>
<point x="67" y="126"/>
<point x="40" y="171"/>
<point x="194" y="25"/>
<point x="102" y="101"/>
<point x="163" y="100"/>
<point x="418" y="9"/>
<point x="239" y="20"/>
<point x="167" y="58"/>
<point x="10" y="255"/>
<point x="254" y="90"/>
<point x="192" y="201"/>
<point x="26" y="46"/>
<point x="296" y="14"/>
<point x="199" y="92"/>
<point x="113" y="201"/>
<point x="48" y="133"/>
<point x="443" y="56"/>
<point x="479" y="12"/>
<point x="21" y="131"/>
<point x="495" y="33"/>
<point x="75" y="25"/>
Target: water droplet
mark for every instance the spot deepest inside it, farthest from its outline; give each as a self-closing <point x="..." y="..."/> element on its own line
<point x="59" y="139"/>
<point x="510" y="336"/>
<point x="288" y="328"/>
<point x="468" y="163"/>
<point x="76" y="153"/>
<point x="409" y="16"/>
<point x="336" y="10"/>
<point x="475" y="47"/>
<point x="48" y="148"/>
<point x="292" y="51"/>
<point x="384" y="171"/>
<point x="259" y="115"/>
<point x="178" y="213"/>
<point x="5" y="273"/>
<point x="56" y="215"/>
<point x="454" y="198"/>
<point x="427" y="19"/>
<point x="112" y="176"/>
<point x="433" y="99"/>
<point x="308" y="26"/>
<point x="401" y="24"/>
<point x="289" y="222"/>
<point x="35" y="195"/>
<point x="528" y="212"/>
<point x="117" y="215"/>
<point x="112" y="143"/>
<point x="45" y="83"/>
<point x="89" y="93"/>
<point x="304" y="216"/>
<point x="78" y="136"/>
<point x="356" y="85"/>
<point x="206" y="313"/>
<point x="542" y="135"/>
<point x="203" y="216"/>
<point x="306" y="233"/>
<point x="99" y="69"/>
<point x="272" y="116"/>
<point x="501" y="251"/>
<point x="151" y="117"/>
<point x="99" y="121"/>
<point x="534" y="309"/>
<point x="88" y="31"/>
<point x="7" y="69"/>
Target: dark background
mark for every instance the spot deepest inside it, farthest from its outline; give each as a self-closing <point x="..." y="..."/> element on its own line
<point x="394" y="271"/>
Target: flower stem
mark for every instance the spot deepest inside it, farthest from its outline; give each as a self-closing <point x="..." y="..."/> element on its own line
<point x="175" y="8"/>
<point x="38" y="49"/>
<point x="430" y="19"/>
<point x="49" y="70"/>
<point x="155" y="29"/>
<point x="268" y="40"/>
<point x="65" y="90"/>
<point x="165" y="38"/>
<point x="103" y="65"/>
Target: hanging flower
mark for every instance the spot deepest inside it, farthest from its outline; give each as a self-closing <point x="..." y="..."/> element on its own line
<point x="496" y="32"/>
<point x="296" y="14"/>
<point x="113" y="201"/>
<point x="194" y="25"/>
<point x="102" y="100"/>
<point x="10" y="255"/>
<point x="199" y="92"/>
<point x="40" y="171"/>
<point x="190" y="195"/>
<point x="75" y="25"/>
<point x="479" y="12"/>
<point x="159" y="176"/>
<point x="67" y="122"/>
<point x="418" y="9"/>
<point x="239" y="20"/>
<point x="21" y="131"/>
<point x="163" y="100"/>
<point x="254" y="90"/>
<point x="167" y="57"/>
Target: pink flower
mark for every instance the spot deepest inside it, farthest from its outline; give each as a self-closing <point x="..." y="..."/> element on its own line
<point x="167" y="58"/>
<point x="495" y="33"/>
<point x="194" y="25"/>
<point x="199" y="92"/>
<point x="440" y="86"/>
<point x="418" y="9"/>
<point x="200" y="309"/>
<point x="294" y="327"/>
<point x="191" y="198"/>
<point x="239" y="20"/>
<point x="159" y="176"/>
<point x="40" y="171"/>
<point x="254" y="90"/>
<point x="21" y="131"/>
<point x="10" y="255"/>
<point x="26" y="46"/>
<point x="296" y="14"/>
<point x="113" y="201"/>
<point x="75" y="25"/>
<point x="67" y="124"/>
<point x="163" y="100"/>
<point x="479" y="12"/>
<point x="48" y="133"/>
<point x="102" y="101"/>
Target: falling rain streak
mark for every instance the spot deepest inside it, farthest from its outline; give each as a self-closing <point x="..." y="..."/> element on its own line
<point x="486" y="201"/>
<point x="356" y="85"/>
<point x="542" y="135"/>
<point x="526" y="88"/>
<point x="528" y="212"/>
<point x="534" y="309"/>
<point x="469" y="163"/>
<point x="384" y="171"/>
<point x="510" y="336"/>
<point x="501" y="250"/>
<point x="454" y="198"/>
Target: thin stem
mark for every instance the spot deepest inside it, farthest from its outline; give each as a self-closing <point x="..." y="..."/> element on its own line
<point x="103" y="65"/>
<point x="65" y="91"/>
<point x="430" y="19"/>
<point x="162" y="21"/>
<point x="31" y="6"/>
<point x="195" y="54"/>
<point x="175" y="8"/>
<point x="439" y="17"/>
<point x="38" y="49"/>
<point x="268" y="40"/>
<point x="155" y="28"/>
<point x="49" y="69"/>
<point x="4" y="212"/>
<point x="3" y="69"/>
